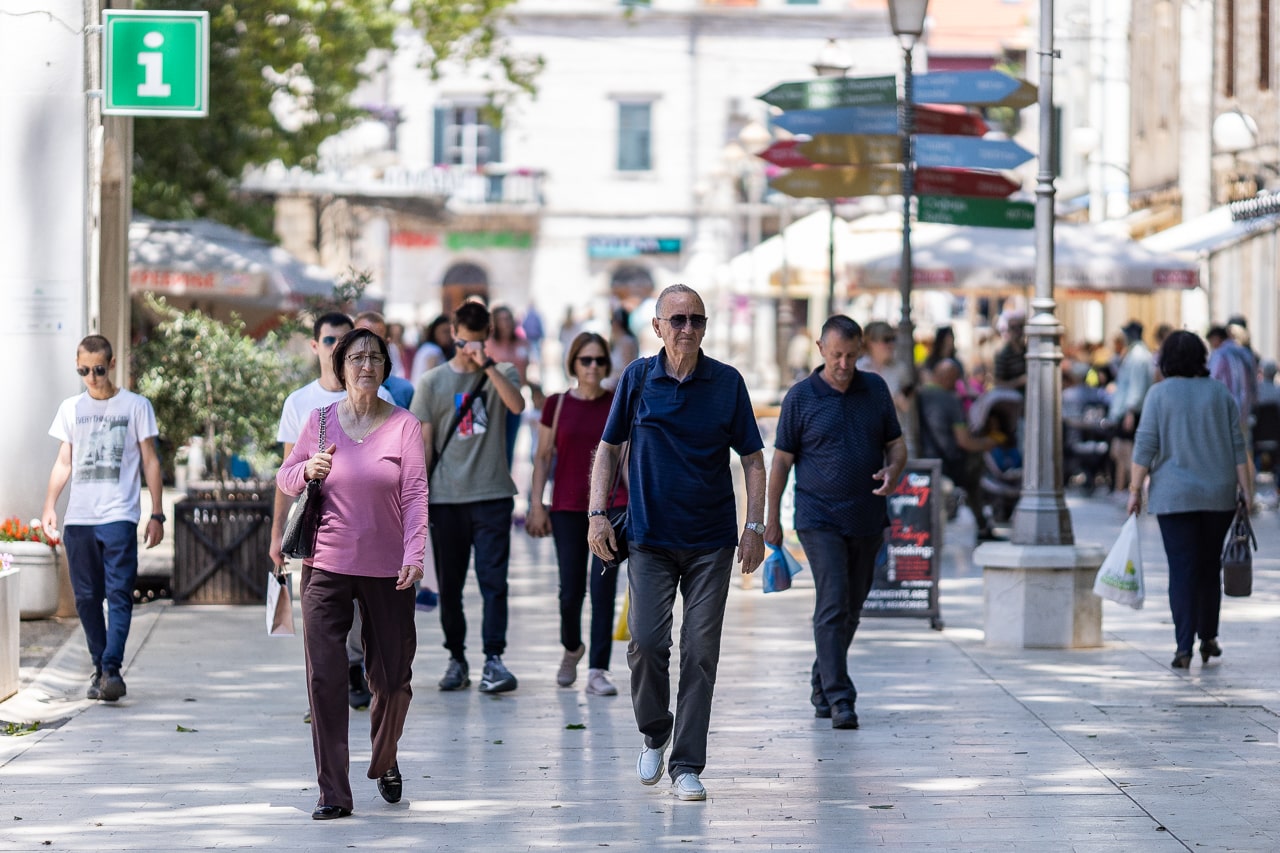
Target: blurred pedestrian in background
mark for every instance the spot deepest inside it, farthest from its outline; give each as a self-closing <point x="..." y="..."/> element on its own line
<point x="1189" y="441"/>
<point x="571" y="426"/>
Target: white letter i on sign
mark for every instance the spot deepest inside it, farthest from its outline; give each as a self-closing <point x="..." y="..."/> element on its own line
<point x="153" y="85"/>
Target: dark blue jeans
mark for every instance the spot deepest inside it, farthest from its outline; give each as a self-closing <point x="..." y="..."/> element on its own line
<point x="843" y="571"/>
<point x="1193" y="545"/>
<point x="455" y="530"/>
<point x="702" y="577"/>
<point x="103" y="559"/>
<point x="576" y="564"/>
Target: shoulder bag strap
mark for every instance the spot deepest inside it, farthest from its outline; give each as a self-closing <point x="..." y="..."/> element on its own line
<point x="467" y="402"/>
<point x="555" y="419"/>
<point x="324" y="410"/>
<point x="633" y="414"/>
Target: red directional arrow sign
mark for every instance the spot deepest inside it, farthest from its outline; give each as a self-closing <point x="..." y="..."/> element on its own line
<point x="785" y="153"/>
<point x="942" y="181"/>
<point x="951" y="123"/>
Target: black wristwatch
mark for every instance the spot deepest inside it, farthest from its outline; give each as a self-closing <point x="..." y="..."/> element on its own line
<point x="598" y="512"/>
<point x="158" y="516"/>
<point x="488" y="362"/>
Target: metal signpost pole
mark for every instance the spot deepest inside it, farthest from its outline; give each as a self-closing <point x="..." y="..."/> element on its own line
<point x="1041" y="517"/>
<point x="906" y="18"/>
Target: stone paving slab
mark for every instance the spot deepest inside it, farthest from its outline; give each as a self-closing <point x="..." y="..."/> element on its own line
<point x="962" y="747"/>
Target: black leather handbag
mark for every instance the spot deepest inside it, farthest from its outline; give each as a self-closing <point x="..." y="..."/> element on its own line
<point x="618" y="514"/>
<point x="299" y="539"/>
<point x="1237" y="554"/>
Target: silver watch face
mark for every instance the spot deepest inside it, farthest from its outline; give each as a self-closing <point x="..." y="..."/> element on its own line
<point x="755" y="527"/>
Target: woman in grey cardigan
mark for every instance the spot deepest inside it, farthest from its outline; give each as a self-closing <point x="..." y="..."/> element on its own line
<point x="1189" y="441"/>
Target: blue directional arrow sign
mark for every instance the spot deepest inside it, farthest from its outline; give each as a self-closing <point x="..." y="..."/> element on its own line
<point x="986" y="88"/>
<point x="969" y="153"/>
<point x="873" y="120"/>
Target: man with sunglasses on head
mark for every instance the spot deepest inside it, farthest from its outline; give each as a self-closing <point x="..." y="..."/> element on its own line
<point x="108" y="440"/>
<point x="472" y="495"/>
<point x="682" y="413"/>
<point x="326" y="331"/>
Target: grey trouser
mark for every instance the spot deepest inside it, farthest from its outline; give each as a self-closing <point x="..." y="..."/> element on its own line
<point x="702" y="577"/>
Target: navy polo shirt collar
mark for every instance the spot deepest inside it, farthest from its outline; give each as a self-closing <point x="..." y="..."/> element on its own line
<point x="822" y="389"/>
<point x="701" y="370"/>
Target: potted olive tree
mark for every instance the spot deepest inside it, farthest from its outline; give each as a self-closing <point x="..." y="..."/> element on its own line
<point x="211" y="379"/>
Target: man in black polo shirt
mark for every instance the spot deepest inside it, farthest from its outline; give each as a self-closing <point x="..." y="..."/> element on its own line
<point x="689" y="411"/>
<point x="840" y="430"/>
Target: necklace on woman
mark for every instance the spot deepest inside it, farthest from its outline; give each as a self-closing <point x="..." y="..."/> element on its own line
<point x="355" y="422"/>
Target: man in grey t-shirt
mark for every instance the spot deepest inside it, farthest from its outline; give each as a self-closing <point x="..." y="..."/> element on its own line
<point x="471" y="491"/>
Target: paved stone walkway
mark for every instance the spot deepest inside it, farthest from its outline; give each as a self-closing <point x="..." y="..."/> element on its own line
<point x="962" y="747"/>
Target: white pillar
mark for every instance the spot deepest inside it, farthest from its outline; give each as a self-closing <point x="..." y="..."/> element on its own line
<point x="43" y="223"/>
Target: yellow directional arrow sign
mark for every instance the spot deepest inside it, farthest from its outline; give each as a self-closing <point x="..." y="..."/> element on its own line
<point x="842" y="149"/>
<point x="839" y="182"/>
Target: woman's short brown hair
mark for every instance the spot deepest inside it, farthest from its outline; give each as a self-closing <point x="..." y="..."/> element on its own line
<point x="344" y="345"/>
<point x="581" y="341"/>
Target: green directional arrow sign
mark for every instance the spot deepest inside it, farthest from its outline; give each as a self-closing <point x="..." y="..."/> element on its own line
<point x="846" y="149"/>
<point x="988" y="212"/>
<point x="827" y="92"/>
<point x="839" y="182"/>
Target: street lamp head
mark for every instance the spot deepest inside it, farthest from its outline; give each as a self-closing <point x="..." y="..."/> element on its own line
<point x="906" y="17"/>
<point x="832" y="60"/>
<point x="1235" y="132"/>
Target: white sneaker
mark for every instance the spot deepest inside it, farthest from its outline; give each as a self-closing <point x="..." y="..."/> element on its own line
<point x="598" y="683"/>
<point x="651" y="763"/>
<point x="689" y="787"/>
<point x="568" y="671"/>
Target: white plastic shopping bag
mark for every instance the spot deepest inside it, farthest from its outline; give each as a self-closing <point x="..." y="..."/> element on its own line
<point x="1120" y="578"/>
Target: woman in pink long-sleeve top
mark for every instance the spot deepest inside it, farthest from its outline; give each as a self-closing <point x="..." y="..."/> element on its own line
<point x="369" y="550"/>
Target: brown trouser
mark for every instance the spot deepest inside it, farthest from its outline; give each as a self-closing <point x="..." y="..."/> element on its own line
<point x="390" y="642"/>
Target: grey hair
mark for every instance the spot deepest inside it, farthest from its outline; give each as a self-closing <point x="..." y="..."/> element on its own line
<point x="677" y="288"/>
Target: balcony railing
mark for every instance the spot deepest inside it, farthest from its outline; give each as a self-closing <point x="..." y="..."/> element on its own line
<point x="492" y="184"/>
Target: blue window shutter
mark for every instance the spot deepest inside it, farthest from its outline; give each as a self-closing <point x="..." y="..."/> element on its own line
<point x="440" y="118"/>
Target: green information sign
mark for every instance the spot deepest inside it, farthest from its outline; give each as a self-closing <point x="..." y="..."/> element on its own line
<point x="155" y="63"/>
<point x="826" y="92"/>
<point x="989" y="212"/>
<point x="459" y="240"/>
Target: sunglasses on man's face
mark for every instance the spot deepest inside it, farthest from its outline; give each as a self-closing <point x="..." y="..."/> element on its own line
<point x="329" y="340"/>
<point x="597" y="360"/>
<point x="98" y="370"/>
<point x="679" y="321"/>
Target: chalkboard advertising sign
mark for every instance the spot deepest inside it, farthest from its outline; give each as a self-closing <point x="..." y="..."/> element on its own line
<point x="908" y="567"/>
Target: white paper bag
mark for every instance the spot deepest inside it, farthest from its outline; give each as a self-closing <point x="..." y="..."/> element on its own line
<point x="279" y="605"/>
<point x="1120" y="578"/>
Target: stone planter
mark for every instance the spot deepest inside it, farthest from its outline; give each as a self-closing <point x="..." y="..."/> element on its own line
<point x="38" y="588"/>
<point x="10" y="649"/>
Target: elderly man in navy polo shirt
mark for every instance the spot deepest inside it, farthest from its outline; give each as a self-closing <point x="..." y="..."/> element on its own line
<point x="688" y="412"/>
<point x="839" y="428"/>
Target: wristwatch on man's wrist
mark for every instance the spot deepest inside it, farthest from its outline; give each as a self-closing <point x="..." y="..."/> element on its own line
<point x="158" y="516"/>
<point x="754" y="527"/>
<point x="598" y="512"/>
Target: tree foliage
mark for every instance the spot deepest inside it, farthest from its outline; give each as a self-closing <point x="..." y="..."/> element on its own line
<point x="296" y="59"/>
<point x="209" y="378"/>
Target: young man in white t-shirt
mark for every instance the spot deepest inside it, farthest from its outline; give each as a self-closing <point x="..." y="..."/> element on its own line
<point x="108" y="438"/>
<point x="327" y="330"/>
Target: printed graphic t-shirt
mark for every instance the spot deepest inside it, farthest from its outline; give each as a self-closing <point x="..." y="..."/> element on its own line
<point x="106" y="464"/>
<point x="474" y="465"/>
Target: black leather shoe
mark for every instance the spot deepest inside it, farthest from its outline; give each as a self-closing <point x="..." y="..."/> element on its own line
<point x="822" y="712"/>
<point x="1210" y="649"/>
<point x="821" y="708"/>
<point x="390" y="785"/>
<point x="1181" y="661"/>
<point x="843" y="716"/>
<point x="330" y="812"/>
<point x="358" y="695"/>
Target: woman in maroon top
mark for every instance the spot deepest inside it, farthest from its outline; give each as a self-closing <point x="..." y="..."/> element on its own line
<point x="571" y="438"/>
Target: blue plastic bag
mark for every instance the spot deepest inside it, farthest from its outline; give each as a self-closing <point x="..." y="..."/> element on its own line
<point x="779" y="568"/>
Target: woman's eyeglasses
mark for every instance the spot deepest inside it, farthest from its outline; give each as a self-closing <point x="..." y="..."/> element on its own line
<point x="679" y="321"/>
<point x="373" y="360"/>
<point x="98" y="370"/>
<point x="597" y="360"/>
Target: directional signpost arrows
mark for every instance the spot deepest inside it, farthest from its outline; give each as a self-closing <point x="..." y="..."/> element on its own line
<point x="989" y="212"/>
<point x="832" y="92"/>
<point x="848" y="149"/>
<point x="950" y="123"/>
<point x="838" y="182"/>
<point x="875" y="120"/>
<point x="938" y="181"/>
<point x="979" y="88"/>
<point x="967" y="152"/>
<point x="785" y="153"/>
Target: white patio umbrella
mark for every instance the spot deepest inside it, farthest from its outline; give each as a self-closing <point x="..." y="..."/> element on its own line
<point x="952" y="257"/>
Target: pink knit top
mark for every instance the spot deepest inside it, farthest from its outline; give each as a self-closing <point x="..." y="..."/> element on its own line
<point x="375" y="497"/>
